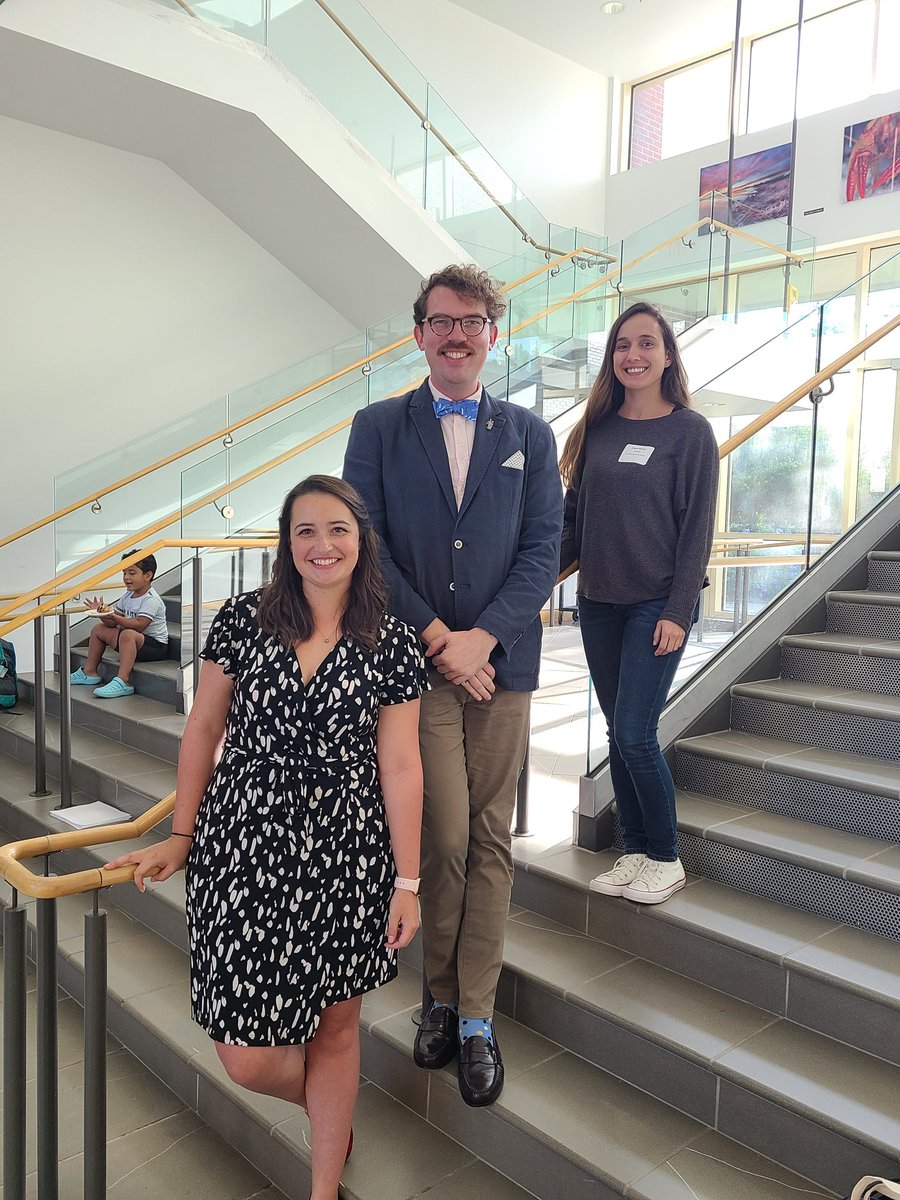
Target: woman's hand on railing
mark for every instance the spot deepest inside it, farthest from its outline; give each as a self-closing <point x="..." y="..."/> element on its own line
<point x="158" y="862"/>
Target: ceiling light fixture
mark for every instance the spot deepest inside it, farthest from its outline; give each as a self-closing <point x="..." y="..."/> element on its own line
<point x="612" y="8"/>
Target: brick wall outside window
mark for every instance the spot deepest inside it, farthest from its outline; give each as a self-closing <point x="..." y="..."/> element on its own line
<point x="647" y="103"/>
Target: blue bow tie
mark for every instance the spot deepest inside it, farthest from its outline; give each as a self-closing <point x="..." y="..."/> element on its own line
<point x="463" y="408"/>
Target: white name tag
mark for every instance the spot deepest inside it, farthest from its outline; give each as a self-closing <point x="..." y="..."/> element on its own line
<point x="636" y="454"/>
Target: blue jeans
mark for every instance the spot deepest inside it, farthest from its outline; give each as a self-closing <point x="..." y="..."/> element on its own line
<point x="632" y="684"/>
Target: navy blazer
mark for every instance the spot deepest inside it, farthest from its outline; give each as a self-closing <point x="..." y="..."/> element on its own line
<point x="492" y="562"/>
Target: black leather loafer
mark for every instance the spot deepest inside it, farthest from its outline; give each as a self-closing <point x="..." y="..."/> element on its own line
<point x="480" y="1071"/>
<point x="437" y="1041"/>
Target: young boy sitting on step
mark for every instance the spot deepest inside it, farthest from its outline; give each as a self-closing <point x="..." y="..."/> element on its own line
<point x="135" y="626"/>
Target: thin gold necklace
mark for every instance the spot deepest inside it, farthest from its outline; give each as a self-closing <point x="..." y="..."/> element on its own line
<point x="333" y="637"/>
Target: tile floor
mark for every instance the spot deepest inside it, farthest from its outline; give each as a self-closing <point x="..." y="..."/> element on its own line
<point x="560" y="727"/>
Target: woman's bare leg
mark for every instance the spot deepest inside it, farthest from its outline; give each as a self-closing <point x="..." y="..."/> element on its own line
<point x="272" y="1070"/>
<point x="332" y="1083"/>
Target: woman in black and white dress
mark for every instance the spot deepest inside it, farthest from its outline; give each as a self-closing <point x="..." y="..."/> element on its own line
<point x="301" y="844"/>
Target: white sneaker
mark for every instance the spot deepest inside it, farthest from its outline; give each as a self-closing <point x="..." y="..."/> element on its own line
<point x="656" y="882"/>
<point x="626" y="870"/>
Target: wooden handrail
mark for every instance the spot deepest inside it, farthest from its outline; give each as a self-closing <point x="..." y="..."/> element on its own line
<point x="805" y="388"/>
<point x="227" y="430"/>
<point x="14" y="855"/>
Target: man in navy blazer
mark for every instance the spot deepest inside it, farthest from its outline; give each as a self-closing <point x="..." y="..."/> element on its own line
<point x="465" y="494"/>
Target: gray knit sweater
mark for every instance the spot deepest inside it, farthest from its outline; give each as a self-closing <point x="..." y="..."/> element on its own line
<point x="642" y="528"/>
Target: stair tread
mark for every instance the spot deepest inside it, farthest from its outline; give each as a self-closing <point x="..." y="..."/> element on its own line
<point x="822" y="696"/>
<point x="869" y="861"/>
<point x="593" y="1120"/>
<point x="856" y="771"/>
<point x="864" y="963"/>
<point x="141" y="771"/>
<point x="689" y="1017"/>
<point x="846" y="643"/>
<point x="136" y="708"/>
<point x="891" y="599"/>
<point x="432" y="1162"/>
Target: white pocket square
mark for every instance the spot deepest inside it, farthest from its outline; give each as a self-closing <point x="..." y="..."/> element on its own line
<point x="516" y="461"/>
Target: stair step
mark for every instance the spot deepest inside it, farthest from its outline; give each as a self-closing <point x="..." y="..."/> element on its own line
<point x="871" y="599"/>
<point x="869" y="861"/>
<point x="149" y="1008"/>
<point x="102" y="768"/>
<point x="563" y="1125"/>
<point x="596" y="1129"/>
<point x="156" y="680"/>
<point x="828" y="787"/>
<point x="823" y="696"/>
<point x="876" y="614"/>
<point x="819" y="715"/>
<point x="137" y="721"/>
<point x="884" y="570"/>
<point x="845" y="642"/>
<point x="843" y="661"/>
<point x="822" y="973"/>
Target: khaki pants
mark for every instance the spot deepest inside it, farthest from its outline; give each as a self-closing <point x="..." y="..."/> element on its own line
<point x="472" y="754"/>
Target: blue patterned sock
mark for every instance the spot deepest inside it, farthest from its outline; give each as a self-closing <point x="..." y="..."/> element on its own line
<point x="476" y="1027"/>
<point x="438" y="1003"/>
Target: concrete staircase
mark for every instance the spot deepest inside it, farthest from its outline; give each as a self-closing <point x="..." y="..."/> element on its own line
<point x="742" y="1040"/>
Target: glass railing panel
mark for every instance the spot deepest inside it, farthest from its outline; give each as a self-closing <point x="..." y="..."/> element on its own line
<point x="884" y="300"/>
<point x="316" y="52"/>
<point x="877" y="468"/>
<point x="463" y="191"/>
<point x="246" y="401"/>
<point x="223" y="573"/>
<point x="246" y="18"/>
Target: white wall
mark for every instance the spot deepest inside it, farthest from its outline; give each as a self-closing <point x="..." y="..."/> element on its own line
<point x="638" y="197"/>
<point x="542" y="116"/>
<point x="128" y="301"/>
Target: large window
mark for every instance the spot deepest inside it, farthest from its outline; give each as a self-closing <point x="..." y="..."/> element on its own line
<point x="680" y="111"/>
<point x="836" y="66"/>
<point x="847" y="53"/>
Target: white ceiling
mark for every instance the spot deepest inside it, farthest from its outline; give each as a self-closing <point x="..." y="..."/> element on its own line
<point x="649" y="36"/>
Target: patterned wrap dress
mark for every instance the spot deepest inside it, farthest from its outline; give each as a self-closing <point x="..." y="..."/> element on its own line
<point x="290" y="873"/>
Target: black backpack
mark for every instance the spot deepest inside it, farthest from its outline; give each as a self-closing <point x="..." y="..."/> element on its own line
<point x="9" y="681"/>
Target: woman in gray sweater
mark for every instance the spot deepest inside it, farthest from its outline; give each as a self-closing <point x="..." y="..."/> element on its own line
<point x="641" y="469"/>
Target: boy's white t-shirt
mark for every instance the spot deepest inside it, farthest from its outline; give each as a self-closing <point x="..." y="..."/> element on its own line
<point x="149" y="605"/>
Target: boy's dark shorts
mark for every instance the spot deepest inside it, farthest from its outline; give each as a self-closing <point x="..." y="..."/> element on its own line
<point x="151" y="651"/>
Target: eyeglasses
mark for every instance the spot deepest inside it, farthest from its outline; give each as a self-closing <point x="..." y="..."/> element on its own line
<point x="471" y="326"/>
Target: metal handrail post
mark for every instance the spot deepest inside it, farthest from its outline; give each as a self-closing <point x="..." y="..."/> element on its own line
<point x="520" y="829"/>
<point x="14" y="928"/>
<point x="40" y="711"/>
<point x="65" y="713"/>
<point x="47" y="1052"/>
<point x="95" y="1053"/>
<point x="197" y="625"/>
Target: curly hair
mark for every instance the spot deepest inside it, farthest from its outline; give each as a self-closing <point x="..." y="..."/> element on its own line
<point x="283" y="608"/>
<point x="608" y="394"/>
<point x="466" y="280"/>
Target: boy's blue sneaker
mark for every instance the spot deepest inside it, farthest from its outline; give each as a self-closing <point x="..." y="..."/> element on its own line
<point x="115" y="688"/>
<point x="80" y="677"/>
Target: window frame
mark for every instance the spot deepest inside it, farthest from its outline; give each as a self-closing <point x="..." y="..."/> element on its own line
<point x="633" y="85"/>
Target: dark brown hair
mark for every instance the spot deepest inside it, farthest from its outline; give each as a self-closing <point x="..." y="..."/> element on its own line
<point x="147" y="565"/>
<point x="608" y="394"/>
<point x="466" y="280"/>
<point x="283" y="608"/>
